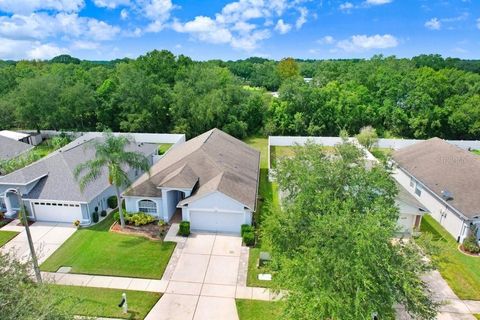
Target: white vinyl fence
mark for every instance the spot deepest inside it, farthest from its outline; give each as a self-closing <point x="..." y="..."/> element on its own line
<point x="396" y="144"/>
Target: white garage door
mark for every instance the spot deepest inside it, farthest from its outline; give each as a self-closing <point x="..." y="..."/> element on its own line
<point x="228" y="222"/>
<point x="58" y="212"/>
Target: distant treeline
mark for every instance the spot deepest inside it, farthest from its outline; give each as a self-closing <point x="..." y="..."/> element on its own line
<point x="159" y="92"/>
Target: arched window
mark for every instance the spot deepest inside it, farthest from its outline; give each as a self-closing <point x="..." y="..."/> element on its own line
<point x="147" y="206"/>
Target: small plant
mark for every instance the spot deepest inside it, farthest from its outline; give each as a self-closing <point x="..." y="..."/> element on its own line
<point x="470" y="245"/>
<point x="116" y="216"/>
<point x="249" y="238"/>
<point x="162" y="223"/>
<point x="112" y="202"/>
<point x="184" y="228"/>
<point x="76" y="223"/>
<point x="245" y="228"/>
<point x="103" y="213"/>
<point x="95" y="217"/>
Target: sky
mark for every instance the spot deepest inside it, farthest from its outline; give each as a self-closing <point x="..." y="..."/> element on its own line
<point x="230" y="30"/>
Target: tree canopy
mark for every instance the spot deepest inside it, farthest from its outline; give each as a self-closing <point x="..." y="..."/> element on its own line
<point x="420" y="97"/>
<point x="332" y="240"/>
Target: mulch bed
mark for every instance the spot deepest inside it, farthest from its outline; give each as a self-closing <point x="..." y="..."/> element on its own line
<point x="5" y="221"/>
<point x="462" y="250"/>
<point x="151" y="231"/>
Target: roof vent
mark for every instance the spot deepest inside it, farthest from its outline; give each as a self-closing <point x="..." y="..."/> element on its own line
<point x="447" y="195"/>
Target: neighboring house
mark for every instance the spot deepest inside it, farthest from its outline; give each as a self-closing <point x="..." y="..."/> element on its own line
<point x="11" y="148"/>
<point x="50" y="190"/>
<point x="212" y="178"/>
<point x="411" y="212"/>
<point x="445" y="179"/>
<point x="33" y="139"/>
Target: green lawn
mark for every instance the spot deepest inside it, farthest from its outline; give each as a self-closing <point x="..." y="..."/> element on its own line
<point x="382" y="154"/>
<point x="476" y="152"/>
<point x="6" y="236"/>
<point x="462" y="272"/>
<point x="99" y="302"/>
<point x="162" y="148"/>
<point x="95" y="250"/>
<point x="268" y="193"/>
<point x="477" y="316"/>
<point x="259" y="310"/>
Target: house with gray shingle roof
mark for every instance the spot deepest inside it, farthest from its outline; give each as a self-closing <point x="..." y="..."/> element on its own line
<point x="11" y="148"/>
<point x="211" y="180"/>
<point x="446" y="180"/>
<point x="50" y="191"/>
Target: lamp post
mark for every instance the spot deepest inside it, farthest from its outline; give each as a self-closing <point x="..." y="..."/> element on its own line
<point x="23" y="214"/>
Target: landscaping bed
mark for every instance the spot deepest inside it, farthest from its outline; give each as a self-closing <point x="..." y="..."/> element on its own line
<point x="95" y="250"/>
<point x="99" y="302"/>
<point x="152" y="231"/>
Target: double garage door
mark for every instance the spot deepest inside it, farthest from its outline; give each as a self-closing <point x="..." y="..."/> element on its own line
<point x="228" y="222"/>
<point x="57" y="212"/>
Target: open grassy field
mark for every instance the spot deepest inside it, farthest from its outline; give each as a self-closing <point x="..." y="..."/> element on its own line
<point x="95" y="250"/>
<point x="462" y="272"/>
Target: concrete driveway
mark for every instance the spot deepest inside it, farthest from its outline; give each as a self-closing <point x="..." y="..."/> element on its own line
<point x="203" y="277"/>
<point x="47" y="237"/>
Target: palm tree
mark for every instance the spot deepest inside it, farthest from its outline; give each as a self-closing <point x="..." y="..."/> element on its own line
<point x="110" y="153"/>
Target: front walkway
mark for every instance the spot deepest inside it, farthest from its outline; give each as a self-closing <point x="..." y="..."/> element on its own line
<point x="47" y="237"/>
<point x="205" y="275"/>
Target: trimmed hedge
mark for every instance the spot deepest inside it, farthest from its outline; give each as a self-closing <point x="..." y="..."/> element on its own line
<point x="112" y="202"/>
<point x="103" y="213"/>
<point x="95" y="217"/>
<point x="249" y="238"/>
<point x="246" y="228"/>
<point x="184" y="229"/>
<point x="137" y="218"/>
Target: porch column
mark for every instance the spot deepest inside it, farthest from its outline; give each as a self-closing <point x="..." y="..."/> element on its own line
<point x="8" y="204"/>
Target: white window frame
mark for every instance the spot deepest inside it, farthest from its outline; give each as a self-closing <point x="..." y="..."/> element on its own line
<point x="151" y="208"/>
<point x="418" y="189"/>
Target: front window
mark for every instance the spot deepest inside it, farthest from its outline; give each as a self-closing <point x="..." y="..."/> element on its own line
<point x="418" y="190"/>
<point x="147" y="206"/>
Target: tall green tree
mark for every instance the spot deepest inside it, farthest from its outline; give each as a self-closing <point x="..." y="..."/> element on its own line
<point x="111" y="154"/>
<point x="22" y="298"/>
<point x="332" y="240"/>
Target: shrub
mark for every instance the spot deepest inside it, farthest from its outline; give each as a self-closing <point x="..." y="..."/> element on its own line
<point x="96" y="209"/>
<point x="470" y="245"/>
<point x="249" y="238"/>
<point x="103" y="213"/>
<point x="116" y="216"/>
<point x="95" y="217"/>
<point x="161" y="223"/>
<point x="184" y="229"/>
<point x="139" y="219"/>
<point x="76" y="223"/>
<point x="246" y="228"/>
<point x="112" y="202"/>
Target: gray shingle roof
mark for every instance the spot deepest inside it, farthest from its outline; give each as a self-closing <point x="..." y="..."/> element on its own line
<point x="10" y="148"/>
<point x="441" y="166"/>
<point x="217" y="160"/>
<point x="55" y="172"/>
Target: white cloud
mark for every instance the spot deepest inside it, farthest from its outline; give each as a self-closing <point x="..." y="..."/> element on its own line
<point x="326" y="40"/>
<point x="124" y="14"/>
<point x="67" y="25"/>
<point x="302" y="19"/>
<point x="347" y="6"/>
<point x="28" y="6"/>
<point x="282" y="27"/>
<point x="244" y="23"/>
<point x="45" y="51"/>
<point x="358" y="43"/>
<point x="85" y="45"/>
<point x="111" y="4"/>
<point x="158" y="11"/>
<point x="377" y="2"/>
<point x="433" y="24"/>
